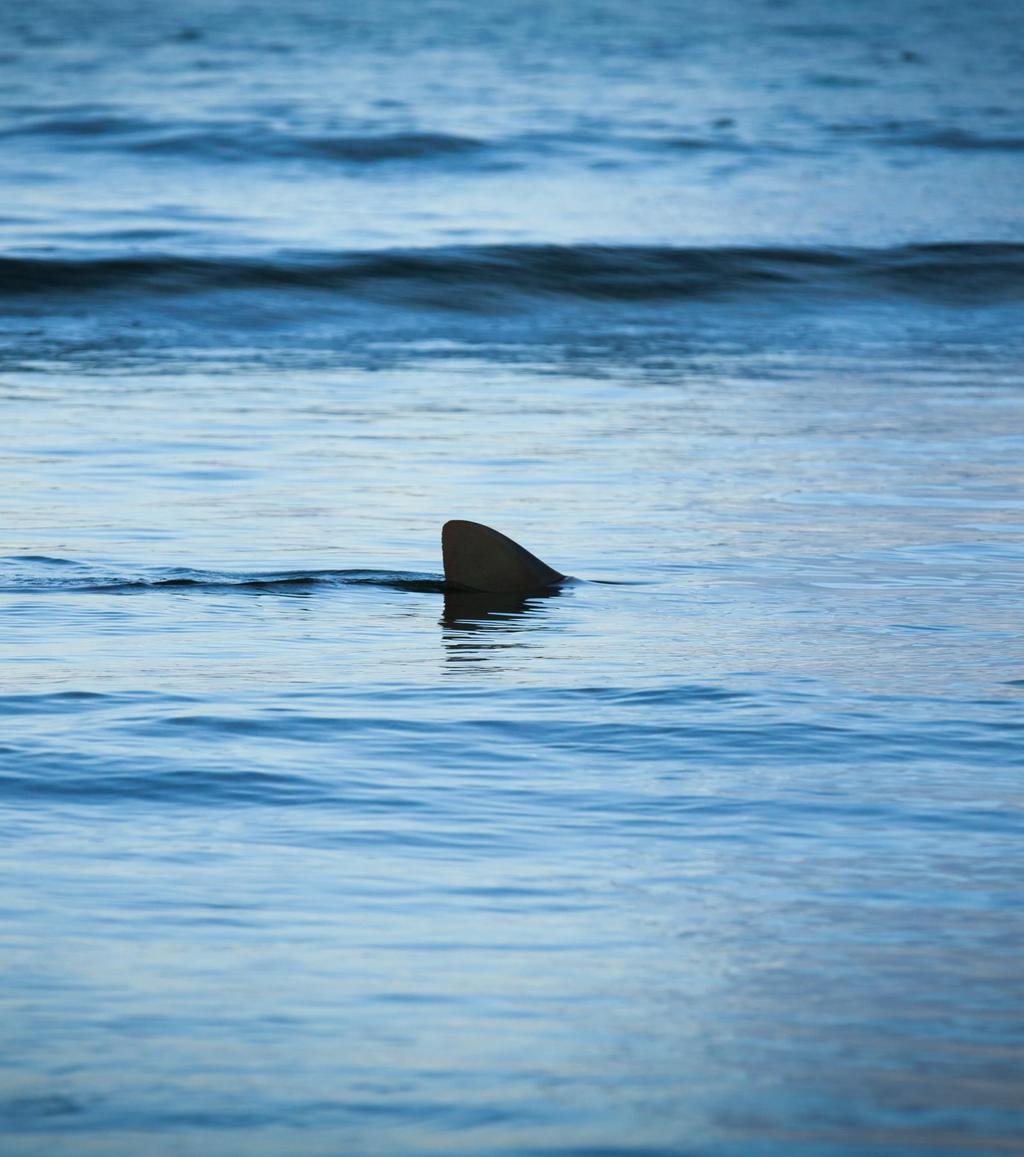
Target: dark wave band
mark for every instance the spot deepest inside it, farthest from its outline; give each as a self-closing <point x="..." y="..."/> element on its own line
<point x="483" y="278"/>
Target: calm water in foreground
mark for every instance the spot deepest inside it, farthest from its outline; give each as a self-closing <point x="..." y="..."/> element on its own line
<point x="716" y="853"/>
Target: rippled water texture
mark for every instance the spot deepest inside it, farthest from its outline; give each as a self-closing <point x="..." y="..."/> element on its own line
<point x="712" y="852"/>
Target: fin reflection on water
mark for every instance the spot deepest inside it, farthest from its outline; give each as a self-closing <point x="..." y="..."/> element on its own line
<point x="478" y="625"/>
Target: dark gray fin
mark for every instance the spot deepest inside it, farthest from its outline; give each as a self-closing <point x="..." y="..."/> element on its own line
<point x="477" y="558"/>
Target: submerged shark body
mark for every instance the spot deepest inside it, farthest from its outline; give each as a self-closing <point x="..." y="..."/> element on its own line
<point x="477" y="558"/>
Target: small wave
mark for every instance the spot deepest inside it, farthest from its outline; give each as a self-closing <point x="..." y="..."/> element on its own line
<point x="86" y="124"/>
<point x="924" y="135"/>
<point x="490" y="277"/>
<point x="270" y="583"/>
<point x="92" y="127"/>
<point x="75" y="777"/>
<point x="965" y="141"/>
<point x="697" y="144"/>
<point x="42" y="579"/>
<point x="263" y="145"/>
<point x="238" y="141"/>
<point x="43" y="560"/>
<point x="206" y="755"/>
<point x="64" y="702"/>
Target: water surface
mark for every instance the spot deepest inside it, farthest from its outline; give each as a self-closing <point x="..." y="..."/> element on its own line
<point x="713" y="852"/>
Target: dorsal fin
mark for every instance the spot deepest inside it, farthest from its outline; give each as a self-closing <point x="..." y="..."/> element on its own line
<point x="478" y="558"/>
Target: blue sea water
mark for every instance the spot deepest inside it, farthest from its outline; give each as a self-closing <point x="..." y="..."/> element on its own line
<point x="715" y="852"/>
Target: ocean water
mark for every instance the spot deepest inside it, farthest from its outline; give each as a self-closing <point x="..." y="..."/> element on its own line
<point x="715" y="852"/>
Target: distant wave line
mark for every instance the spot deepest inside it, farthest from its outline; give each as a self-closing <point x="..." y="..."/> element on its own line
<point x="242" y="140"/>
<point x="239" y="141"/>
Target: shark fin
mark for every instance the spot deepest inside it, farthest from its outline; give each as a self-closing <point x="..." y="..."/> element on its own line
<point x="478" y="558"/>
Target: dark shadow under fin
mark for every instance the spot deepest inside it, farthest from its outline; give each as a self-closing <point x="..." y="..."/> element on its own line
<point x="477" y="558"/>
<point x="471" y="611"/>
